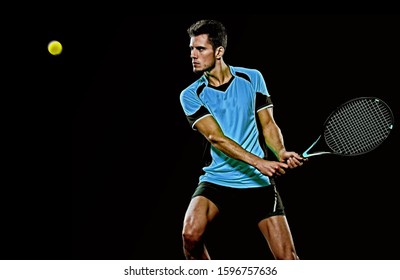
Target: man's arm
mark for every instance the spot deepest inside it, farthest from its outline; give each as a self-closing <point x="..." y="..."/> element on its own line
<point x="210" y="129"/>
<point x="274" y="139"/>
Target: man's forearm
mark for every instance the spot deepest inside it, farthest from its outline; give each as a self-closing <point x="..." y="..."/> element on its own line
<point x="274" y="140"/>
<point x="235" y="151"/>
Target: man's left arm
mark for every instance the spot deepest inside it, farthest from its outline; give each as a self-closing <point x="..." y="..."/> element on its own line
<point x="274" y="139"/>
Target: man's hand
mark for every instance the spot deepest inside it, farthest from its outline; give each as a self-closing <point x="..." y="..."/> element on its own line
<point x="292" y="159"/>
<point x="271" y="168"/>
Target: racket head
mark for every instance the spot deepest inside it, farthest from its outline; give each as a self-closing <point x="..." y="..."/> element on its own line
<point x="358" y="126"/>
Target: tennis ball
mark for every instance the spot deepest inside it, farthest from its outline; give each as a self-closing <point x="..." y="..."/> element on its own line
<point x="54" y="47"/>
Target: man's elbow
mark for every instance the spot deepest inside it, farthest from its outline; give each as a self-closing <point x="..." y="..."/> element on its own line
<point x="215" y="139"/>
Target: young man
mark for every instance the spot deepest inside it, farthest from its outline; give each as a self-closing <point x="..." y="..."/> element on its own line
<point x="231" y="107"/>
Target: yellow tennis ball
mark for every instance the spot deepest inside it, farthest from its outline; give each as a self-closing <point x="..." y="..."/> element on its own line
<point x="54" y="47"/>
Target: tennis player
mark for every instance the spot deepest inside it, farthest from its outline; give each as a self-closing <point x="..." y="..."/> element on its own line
<point x="232" y="108"/>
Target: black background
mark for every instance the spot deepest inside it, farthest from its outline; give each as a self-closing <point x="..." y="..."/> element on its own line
<point x="106" y="161"/>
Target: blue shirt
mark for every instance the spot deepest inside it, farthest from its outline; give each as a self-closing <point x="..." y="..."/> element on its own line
<point x="234" y="106"/>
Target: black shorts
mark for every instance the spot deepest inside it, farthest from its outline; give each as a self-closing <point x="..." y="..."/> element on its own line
<point x="253" y="204"/>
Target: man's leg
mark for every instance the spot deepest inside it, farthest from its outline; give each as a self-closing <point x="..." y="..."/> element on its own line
<point x="277" y="233"/>
<point x="199" y="213"/>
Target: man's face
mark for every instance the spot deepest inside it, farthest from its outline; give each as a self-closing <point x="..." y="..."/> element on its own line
<point x="201" y="53"/>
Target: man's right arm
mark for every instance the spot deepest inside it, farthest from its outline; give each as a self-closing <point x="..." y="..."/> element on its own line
<point x="210" y="129"/>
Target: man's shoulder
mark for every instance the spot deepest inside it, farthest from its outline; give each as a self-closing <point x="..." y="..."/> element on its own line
<point x="194" y="86"/>
<point x="246" y="70"/>
<point x="249" y="74"/>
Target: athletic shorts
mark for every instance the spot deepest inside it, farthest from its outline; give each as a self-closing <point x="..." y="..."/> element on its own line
<point x="253" y="204"/>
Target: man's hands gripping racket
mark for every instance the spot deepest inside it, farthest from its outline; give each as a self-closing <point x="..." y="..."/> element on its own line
<point x="356" y="127"/>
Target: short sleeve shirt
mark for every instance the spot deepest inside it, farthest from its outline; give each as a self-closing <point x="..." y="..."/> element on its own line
<point x="234" y="106"/>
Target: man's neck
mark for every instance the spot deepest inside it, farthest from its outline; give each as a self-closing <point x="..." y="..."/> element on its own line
<point x="220" y="75"/>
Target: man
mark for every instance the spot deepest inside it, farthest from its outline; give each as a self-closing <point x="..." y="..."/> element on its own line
<point x="231" y="107"/>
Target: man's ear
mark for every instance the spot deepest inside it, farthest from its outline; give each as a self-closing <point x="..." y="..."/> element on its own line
<point x="219" y="52"/>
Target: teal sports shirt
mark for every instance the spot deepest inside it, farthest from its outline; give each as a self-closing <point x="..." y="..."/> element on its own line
<point x="234" y="106"/>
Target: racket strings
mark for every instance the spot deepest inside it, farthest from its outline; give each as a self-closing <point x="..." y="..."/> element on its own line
<point x="358" y="126"/>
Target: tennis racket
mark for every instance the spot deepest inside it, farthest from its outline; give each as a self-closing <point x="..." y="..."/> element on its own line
<point x="356" y="127"/>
